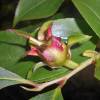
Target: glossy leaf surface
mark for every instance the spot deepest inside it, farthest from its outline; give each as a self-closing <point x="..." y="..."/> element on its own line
<point x="8" y="78"/>
<point x="89" y="9"/>
<point x="36" y="9"/>
<point x="50" y="95"/>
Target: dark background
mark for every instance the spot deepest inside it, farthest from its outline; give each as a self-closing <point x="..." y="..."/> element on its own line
<point x="7" y="9"/>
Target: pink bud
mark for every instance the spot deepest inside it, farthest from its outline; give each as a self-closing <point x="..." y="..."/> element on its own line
<point x="54" y="52"/>
<point x="32" y="51"/>
<point x="56" y="43"/>
<point x="49" y="34"/>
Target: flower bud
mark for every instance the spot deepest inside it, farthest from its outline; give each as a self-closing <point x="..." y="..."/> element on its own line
<point x="56" y="53"/>
<point x="53" y="52"/>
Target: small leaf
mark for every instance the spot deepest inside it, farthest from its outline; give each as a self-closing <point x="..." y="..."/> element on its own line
<point x="35" y="9"/>
<point x="73" y="39"/>
<point x="91" y="13"/>
<point x="50" y="95"/>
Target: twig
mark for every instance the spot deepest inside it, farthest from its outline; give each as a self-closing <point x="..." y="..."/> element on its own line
<point x="39" y="87"/>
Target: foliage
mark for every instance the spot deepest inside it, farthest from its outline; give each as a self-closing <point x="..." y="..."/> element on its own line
<point x="79" y="34"/>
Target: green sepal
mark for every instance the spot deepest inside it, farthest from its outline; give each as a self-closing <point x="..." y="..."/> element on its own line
<point x="70" y="64"/>
<point x="79" y="38"/>
<point x="42" y="30"/>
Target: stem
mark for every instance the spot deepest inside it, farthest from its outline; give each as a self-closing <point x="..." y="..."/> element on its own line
<point x="66" y="77"/>
<point x="40" y="87"/>
<point x="29" y="37"/>
<point x="35" y="42"/>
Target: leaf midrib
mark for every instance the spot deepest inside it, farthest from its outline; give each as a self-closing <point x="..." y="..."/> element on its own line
<point x="50" y="77"/>
<point x="27" y="11"/>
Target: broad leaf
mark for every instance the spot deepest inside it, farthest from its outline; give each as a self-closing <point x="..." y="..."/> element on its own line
<point x="91" y="13"/>
<point x="50" y="95"/>
<point x="43" y="74"/>
<point x="36" y="9"/>
<point x="8" y="78"/>
<point x="12" y="51"/>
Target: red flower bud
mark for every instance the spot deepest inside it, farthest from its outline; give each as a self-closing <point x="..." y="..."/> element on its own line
<point x="53" y="52"/>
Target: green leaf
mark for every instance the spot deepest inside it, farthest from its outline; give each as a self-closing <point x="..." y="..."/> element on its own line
<point x="12" y="51"/>
<point x="8" y="78"/>
<point x="35" y="9"/>
<point x="50" y="95"/>
<point x="78" y="51"/>
<point x="91" y="13"/>
<point x="73" y="39"/>
<point x="97" y="69"/>
<point x="43" y="74"/>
